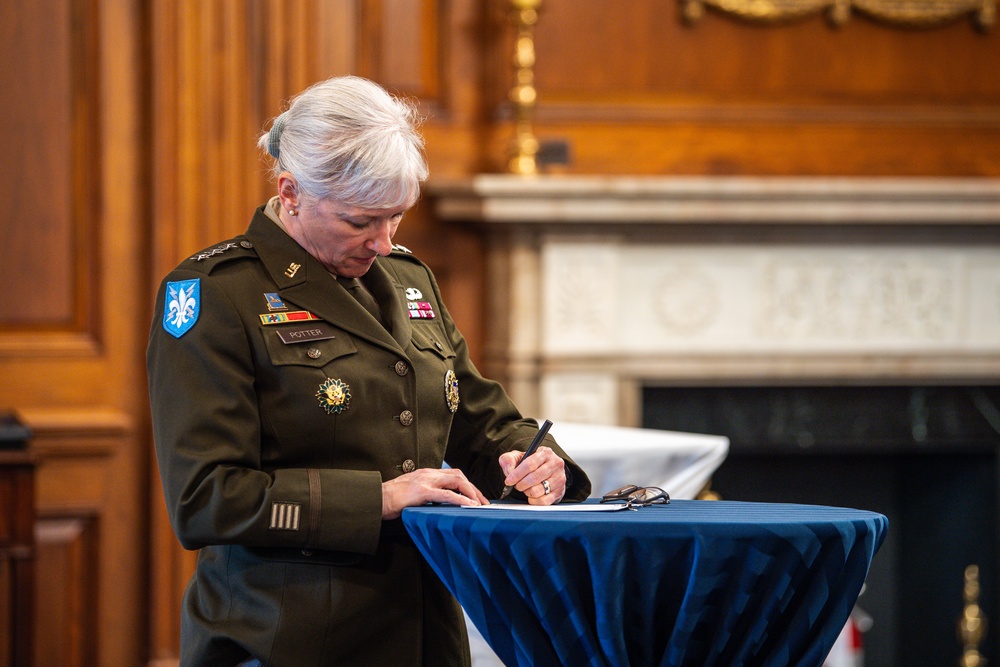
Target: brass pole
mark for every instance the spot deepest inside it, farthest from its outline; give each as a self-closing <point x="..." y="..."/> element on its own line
<point x="523" y="94"/>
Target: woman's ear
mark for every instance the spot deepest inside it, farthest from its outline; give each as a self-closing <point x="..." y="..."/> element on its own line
<point x="288" y="192"/>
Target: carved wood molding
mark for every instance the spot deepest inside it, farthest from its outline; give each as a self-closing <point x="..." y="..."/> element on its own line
<point x="48" y="344"/>
<point x="76" y="433"/>
<point x="897" y="12"/>
<point x="666" y="110"/>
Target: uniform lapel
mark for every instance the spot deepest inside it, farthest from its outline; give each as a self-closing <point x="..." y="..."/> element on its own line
<point x="303" y="281"/>
<point x="389" y="294"/>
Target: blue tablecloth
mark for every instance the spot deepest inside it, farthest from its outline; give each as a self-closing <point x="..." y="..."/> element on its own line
<point x="690" y="583"/>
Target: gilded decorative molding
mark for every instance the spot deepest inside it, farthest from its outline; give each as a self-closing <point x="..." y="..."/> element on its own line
<point x="898" y="12"/>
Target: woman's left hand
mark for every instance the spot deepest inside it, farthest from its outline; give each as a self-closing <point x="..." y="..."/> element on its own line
<point x="541" y="477"/>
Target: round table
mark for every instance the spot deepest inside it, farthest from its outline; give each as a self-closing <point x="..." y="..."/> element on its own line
<point x="690" y="583"/>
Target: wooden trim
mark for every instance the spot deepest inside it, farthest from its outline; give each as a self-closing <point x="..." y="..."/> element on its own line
<point x="50" y="344"/>
<point x="657" y="110"/>
<point x="87" y="161"/>
<point x="76" y="433"/>
<point x="69" y="546"/>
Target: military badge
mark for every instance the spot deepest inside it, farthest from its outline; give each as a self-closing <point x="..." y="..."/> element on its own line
<point x="290" y="316"/>
<point x="182" y="306"/>
<point x="451" y="390"/>
<point x="420" y="310"/>
<point x="218" y="250"/>
<point x="334" y="396"/>
<point x="285" y="516"/>
<point x="274" y="301"/>
<point x="413" y="294"/>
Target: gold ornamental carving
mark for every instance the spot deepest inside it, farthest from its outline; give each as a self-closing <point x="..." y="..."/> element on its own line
<point x="919" y="13"/>
<point x="523" y="94"/>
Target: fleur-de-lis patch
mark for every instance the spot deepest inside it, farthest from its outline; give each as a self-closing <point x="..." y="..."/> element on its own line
<point x="334" y="396"/>
<point x="182" y="306"/>
<point x="451" y="390"/>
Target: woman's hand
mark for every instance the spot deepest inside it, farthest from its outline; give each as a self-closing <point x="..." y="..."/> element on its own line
<point x="428" y="485"/>
<point x="541" y="477"/>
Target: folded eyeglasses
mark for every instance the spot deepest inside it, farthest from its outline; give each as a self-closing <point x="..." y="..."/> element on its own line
<point x="637" y="496"/>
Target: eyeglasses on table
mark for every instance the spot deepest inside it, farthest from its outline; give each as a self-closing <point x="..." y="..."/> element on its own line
<point x="637" y="496"/>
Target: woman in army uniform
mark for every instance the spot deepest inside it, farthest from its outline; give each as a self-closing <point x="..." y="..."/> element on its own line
<point x="307" y="384"/>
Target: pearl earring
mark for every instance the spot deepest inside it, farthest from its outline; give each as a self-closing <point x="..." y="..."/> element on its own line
<point x="292" y="211"/>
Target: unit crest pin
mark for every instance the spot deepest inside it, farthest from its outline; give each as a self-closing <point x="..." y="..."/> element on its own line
<point x="451" y="390"/>
<point x="334" y="396"/>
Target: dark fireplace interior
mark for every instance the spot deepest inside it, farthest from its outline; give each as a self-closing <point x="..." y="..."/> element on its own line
<point x="925" y="456"/>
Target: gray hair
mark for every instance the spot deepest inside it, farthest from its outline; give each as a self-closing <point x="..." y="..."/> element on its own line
<point x="348" y="139"/>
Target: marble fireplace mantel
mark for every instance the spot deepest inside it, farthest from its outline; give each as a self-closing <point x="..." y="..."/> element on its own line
<point x="599" y="286"/>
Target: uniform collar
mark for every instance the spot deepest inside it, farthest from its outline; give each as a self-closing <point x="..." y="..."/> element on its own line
<point x="302" y="280"/>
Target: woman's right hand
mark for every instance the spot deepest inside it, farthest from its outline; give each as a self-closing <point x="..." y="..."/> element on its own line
<point x="428" y="485"/>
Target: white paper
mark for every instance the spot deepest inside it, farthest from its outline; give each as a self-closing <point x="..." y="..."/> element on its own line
<point x="564" y="507"/>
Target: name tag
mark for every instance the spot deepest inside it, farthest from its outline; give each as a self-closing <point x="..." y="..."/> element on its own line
<point x="304" y="333"/>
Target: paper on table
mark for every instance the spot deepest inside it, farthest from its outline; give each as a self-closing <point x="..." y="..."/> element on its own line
<point x="568" y="507"/>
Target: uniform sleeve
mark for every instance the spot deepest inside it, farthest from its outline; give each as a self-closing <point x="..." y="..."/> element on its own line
<point x="207" y="435"/>
<point x="487" y="424"/>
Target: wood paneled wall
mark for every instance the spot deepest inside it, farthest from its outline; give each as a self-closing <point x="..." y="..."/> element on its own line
<point x="130" y="143"/>
<point x="635" y="89"/>
<point x="72" y="266"/>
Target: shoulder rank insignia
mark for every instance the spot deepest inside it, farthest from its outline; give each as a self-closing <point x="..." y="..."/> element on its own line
<point x="182" y="306"/>
<point x="451" y="390"/>
<point x="402" y="248"/>
<point x="334" y="396"/>
<point x="217" y="250"/>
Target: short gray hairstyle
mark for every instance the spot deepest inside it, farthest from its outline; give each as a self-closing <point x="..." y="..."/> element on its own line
<point x="348" y="139"/>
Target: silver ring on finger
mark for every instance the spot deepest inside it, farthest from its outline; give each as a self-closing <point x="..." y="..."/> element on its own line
<point x="545" y="485"/>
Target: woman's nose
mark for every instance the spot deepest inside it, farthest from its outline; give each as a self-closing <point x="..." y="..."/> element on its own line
<point x="381" y="242"/>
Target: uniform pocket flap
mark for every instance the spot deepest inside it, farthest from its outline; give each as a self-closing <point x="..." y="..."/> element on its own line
<point x="305" y="351"/>
<point x="432" y="341"/>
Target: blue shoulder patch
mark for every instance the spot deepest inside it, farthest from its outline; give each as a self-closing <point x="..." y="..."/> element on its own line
<point x="181" y="306"/>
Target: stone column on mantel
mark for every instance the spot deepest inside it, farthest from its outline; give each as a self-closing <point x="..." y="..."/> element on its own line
<point x="599" y="285"/>
<point x="514" y="317"/>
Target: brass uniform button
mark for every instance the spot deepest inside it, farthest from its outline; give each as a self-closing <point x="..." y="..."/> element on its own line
<point x="401" y="368"/>
<point x="409" y="465"/>
<point x="313" y="353"/>
<point x="438" y="345"/>
<point x="405" y="417"/>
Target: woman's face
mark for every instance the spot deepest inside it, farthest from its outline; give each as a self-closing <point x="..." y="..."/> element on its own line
<point x="345" y="239"/>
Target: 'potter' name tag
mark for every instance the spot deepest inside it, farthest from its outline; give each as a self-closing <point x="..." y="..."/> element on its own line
<point x="304" y="333"/>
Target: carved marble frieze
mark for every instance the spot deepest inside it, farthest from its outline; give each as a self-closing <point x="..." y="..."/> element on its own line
<point x="609" y="298"/>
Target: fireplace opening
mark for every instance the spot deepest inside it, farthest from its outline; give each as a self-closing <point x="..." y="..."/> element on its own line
<point x="925" y="456"/>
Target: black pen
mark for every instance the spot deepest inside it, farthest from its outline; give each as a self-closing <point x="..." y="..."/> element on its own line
<point x="531" y="450"/>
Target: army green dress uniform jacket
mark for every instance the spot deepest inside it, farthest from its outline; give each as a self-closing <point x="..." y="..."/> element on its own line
<point x="274" y="434"/>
